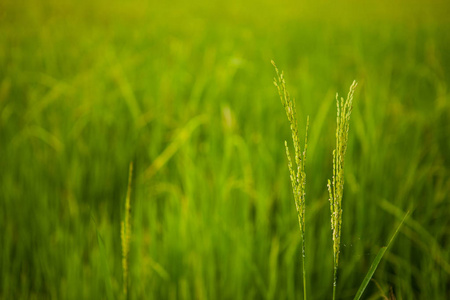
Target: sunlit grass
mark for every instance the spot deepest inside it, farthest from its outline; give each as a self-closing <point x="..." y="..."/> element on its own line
<point x="184" y="91"/>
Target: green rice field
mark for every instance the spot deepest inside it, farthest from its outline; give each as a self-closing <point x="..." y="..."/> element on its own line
<point x="184" y="91"/>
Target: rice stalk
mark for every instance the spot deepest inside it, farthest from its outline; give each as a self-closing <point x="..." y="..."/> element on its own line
<point x="336" y="186"/>
<point x="125" y="233"/>
<point x="297" y="175"/>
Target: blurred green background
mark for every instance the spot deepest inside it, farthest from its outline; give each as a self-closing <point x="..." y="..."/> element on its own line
<point x="184" y="90"/>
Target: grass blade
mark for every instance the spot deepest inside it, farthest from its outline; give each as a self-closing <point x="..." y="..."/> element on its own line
<point x="377" y="260"/>
<point x="370" y="273"/>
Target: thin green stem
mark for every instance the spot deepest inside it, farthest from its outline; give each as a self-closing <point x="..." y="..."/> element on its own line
<point x="334" y="282"/>
<point x="304" y="268"/>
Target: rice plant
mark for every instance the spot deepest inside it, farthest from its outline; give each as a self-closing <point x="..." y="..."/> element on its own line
<point x="125" y="233"/>
<point x="297" y="175"/>
<point x="336" y="186"/>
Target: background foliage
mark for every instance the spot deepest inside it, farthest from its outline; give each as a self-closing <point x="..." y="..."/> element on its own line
<point x="184" y="90"/>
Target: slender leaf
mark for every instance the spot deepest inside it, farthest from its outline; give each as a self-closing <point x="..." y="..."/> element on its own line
<point x="376" y="261"/>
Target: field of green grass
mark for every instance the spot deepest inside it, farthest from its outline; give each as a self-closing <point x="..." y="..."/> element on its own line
<point x="185" y="92"/>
